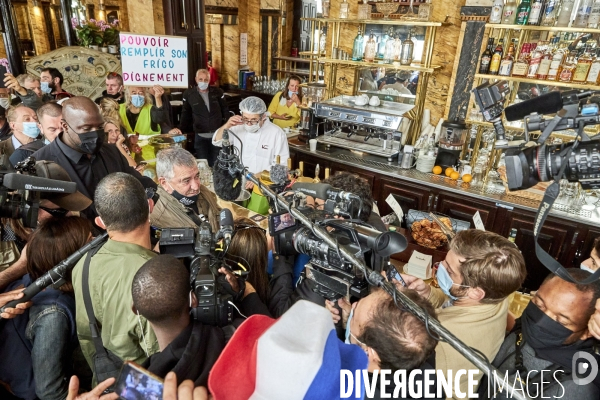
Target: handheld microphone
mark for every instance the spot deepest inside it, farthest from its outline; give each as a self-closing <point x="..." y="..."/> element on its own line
<point x="548" y="103"/>
<point x="227" y="171"/>
<point x="16" y="181"/>
<point x="323" y="191"/>
<point x="226" y="225"/>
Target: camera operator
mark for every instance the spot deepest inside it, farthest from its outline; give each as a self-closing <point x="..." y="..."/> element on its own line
<point x="38" y="347"/>
<point x="161" y="293"/>
<point x="392" y="337"/>
<point x="123" y="210"/>
<point x="480" y="271"/>
<point x="182" y="197"/>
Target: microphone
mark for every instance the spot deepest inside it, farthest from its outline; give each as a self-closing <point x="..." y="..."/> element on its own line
<point x="226" y="225"/>
<point x="16" y="181"/>
<point x="323" y="191"/>
<point x="227" y="171"/>
<point x="278" y="174"/>
<point x="548" y="103"/>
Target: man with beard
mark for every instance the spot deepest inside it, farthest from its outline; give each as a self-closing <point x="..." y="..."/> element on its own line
<point x="51" y="81"/>
<point x="114" y="88"/>
<point x="79" y="149"/>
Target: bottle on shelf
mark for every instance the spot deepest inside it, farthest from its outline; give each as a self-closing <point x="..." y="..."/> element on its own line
<point x="370" y="48"/>
<point x="397" y="47"/>
<point x="557" y="60"/>
<point x="364" y="10"/>
<point x="425" y="11"/>
<point x="382" y="43"/>
<point x="545" y="61"/>
<point x="406" y="55"/>
<point x="535" y="16"/>
<point x="486" y="57"/>
<point x="534" y="62"/>
<point x="496" y="58"/>
<point x="325" y="6"/>
<point x="522" y="13"/>
<point x="564" y="15"/>
<point x="567" y="69"/>
<point x="584" y="63"/>
<point x="550" y="12"/>
<point x="496" y="15"/>
<point x="522" y="64"/>
<point x="322" y="40"/>
<point x="594" y="74"/>
<point x="388" y="56"/>
<point x="344" y="7"/>
<point x="294" y="52"/>
<point x="594" y="18"/>
<point x="508" y="13"/>
<point x="583" y="14"/>
<point x="512" y="236"/>
<point x="506" y="63"/>
<point x="357" y="48"/>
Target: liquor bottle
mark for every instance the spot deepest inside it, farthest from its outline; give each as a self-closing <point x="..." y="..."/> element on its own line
<point x="557" y="61"/>
<point x="357" y="48"/>
<point x="522" y="13"/>
<point x="544" y="68"/>
<point x="496" y="15"/>
<point x="382" y="43"/>
<point x="535" y="16"/>
<point x="370" y="48"/>
<point x="364" y="10"/>
<point x="550" y="12"/>
<point x="294" y="52"/>
<point x="594" y="75"/>
<point x="388" y="56"/>
<point x="496" y="58"/>
<point x="507" y="61"/>
<point x="486" y="57"/>
<point x="512" y="235"/>
<point x="565" y="74"/>
<point x="344" y="6"/>
<point x="594" y="18"/>
<point x="534" y="62"/>
<point x="522" y="64"/>
<point x="584" y="63"/>
<point x="508" y="12"/>
<point x="583" y="14"/>
<point x="406" y="55"/>
<point x="564" y="15"/>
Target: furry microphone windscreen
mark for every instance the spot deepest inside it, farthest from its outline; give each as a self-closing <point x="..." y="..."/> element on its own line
<point x="278" y="174"/>
<point x="224" y="184"/>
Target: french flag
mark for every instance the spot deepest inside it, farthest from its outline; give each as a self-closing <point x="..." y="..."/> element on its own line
<point x="297" y="356"/>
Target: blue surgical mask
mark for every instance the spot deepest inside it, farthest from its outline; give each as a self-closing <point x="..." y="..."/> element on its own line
<point x="45" y="86"/>
<point x="137" y="100"/>
<point x="203" y="85"/>
<point x="46" y="141"/>
<point x="290" y="93"/>
<point x="586" y="268"/>
<point x="31" y="129"/>
<point x="445" y="282"/>
<point x="348" y="325"/>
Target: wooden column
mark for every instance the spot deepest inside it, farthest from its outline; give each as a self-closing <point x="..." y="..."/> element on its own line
<point x="249" y="22"/>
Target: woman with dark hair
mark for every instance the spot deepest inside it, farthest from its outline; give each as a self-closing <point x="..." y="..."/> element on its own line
<point x="285" y="106"/>
<point x="40" y="344"/>
<point x="593" y="263"/>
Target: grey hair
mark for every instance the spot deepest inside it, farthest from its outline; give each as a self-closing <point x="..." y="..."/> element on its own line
<point x="204" y="71"/>
<point x="167" y="159"/>
<point x="24" y="78"/>
<point x="121" y="202"/>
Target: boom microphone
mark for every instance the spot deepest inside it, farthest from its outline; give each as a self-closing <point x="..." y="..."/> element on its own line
<point x="227" y="171"/>
<point x="278" y="174"/>
<point x="16" y="181"/>
<point x="548" y="103"/>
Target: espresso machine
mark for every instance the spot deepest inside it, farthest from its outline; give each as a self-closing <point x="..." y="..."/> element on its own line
<point x="309" y="125"/>
<point x="368" y="129"/>
<point x="451" y="142"/>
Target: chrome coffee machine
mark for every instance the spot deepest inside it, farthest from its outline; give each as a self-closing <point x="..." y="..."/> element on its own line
<point x="310" y="127"/>
<point x="369" y="129"/>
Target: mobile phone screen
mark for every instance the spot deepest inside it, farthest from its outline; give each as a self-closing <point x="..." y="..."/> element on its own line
<point x="137" y="383"/>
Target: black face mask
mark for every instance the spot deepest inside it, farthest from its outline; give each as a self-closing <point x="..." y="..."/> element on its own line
<point x="113" y="96"/>
<point x="91" y="141"/>
<point x="188" y="201"/>
<point x="540" y="331"/>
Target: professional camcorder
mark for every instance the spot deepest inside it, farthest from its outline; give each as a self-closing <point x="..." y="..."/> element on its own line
<point x="197" y="247"/>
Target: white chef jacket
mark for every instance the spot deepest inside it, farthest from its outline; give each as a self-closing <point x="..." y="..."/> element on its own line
<point x="260" y="148"/>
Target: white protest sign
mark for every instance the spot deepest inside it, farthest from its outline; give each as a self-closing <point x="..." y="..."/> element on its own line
<point x="393" y="203"/>
<point x="149" y="60"/>
<point x="478" y="222"/>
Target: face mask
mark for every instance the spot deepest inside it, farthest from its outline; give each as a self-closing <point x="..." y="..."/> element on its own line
<point x="541" y="331"/>
<point x="290" y="93"/>
<point x="348" y="325"/>
<point x="252" y="128"/>
<point x="31" y="129"/>
<point x="586" y="268"/>
<point x="91" y="142"/>
<point x="137" y="100"/>
<point x="45" y="86"/>
<point x="4" y="102"/>
<point x="185" y="200"/>
<point x="445" y="282"/>
<point x="46" y="141"/>
<point x="113" y="96"/>
<point x="203" y="85"/>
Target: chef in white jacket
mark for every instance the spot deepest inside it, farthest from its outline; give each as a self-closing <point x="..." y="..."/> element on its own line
<point x="262" y="140"/>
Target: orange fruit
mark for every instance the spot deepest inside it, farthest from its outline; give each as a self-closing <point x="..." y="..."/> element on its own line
<point x="437" y="170"/>
<point x="467" y="178"/>
<point x="454" y="175"/>
<point x="448" y="171"/>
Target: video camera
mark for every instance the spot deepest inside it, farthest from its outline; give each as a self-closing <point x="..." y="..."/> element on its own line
<point x="197" y="247"/>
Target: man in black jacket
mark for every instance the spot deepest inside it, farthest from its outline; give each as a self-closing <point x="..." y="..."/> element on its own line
<point x="79" y="149"/>
<point x="204" y="111"/>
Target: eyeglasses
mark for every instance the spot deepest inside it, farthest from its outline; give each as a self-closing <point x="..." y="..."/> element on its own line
<point x="55" y="212"/>
<point x="250" y="121"/>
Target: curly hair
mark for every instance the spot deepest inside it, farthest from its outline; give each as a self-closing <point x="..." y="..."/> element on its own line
<point x="354" y="184"/>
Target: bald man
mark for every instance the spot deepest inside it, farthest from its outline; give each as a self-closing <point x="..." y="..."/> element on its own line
<point x="81" y="151"/>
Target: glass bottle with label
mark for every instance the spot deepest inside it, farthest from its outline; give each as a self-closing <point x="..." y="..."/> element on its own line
<point x="564" y="15"/>
<point x="544" y="68"/>
<point x="522" y="13"/>
<point x="550" y="12"/>
<point x="557" y="61"/>
<point x="344" y="6"/>
<point x="408" y="47"/>
<point x="594" y="18"/>
<point x="535" y="16"/>
<point x="486" y="57"/>
<point x="584" y="63"/>
<point x="497" y="58"/>
<point x="534" y="62"/>
<point x="370" y="48"/>
<point x="594" y="75"/>
<point x="507" y="61"/>
<point x="522" y="64"/>
<point x="357" y="48"/>
<point x="508" y="13"/>
<point x="364" y="10"/>
<point x="496" y="15"/>
<point x="567" y="69"/>
<point x="583" y="14"/>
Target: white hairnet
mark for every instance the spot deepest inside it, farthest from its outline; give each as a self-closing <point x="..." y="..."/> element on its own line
<point x="253" y="105"/>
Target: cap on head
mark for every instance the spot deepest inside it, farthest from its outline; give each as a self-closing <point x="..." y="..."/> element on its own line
<point x="70" y="201"/>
